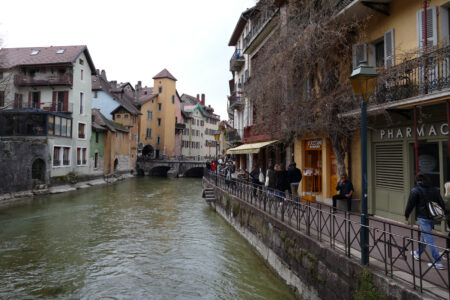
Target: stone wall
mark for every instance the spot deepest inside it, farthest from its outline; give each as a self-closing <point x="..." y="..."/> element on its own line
<point x="16" y="159"/>
<point x="311" y="268"/>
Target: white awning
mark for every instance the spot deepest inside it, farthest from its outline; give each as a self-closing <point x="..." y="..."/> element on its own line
<point x="250" y="148"/>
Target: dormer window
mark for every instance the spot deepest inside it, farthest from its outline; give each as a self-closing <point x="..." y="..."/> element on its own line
<point x="81" y="62"/>
<point x="60" y="51"/>
<point x="34" y="52"/>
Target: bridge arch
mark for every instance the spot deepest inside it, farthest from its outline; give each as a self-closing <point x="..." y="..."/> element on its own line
<point x="196" y="171"/>
<point x="159" y="171"/>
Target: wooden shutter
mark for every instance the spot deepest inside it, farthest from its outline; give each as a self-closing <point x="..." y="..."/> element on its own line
<point x="54" y="101"/>
<point x="66" y="101"/>
<point x="389" y="49"/>
<point x="389" y="166"/>
<point x="372" y="55"/>
<point x="431" y="27"/>
<point x="29" y="99"/>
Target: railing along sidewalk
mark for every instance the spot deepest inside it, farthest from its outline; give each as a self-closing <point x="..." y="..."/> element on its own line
<point x="390" y="244"/>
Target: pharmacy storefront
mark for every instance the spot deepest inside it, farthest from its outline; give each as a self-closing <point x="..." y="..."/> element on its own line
<point x="393" y="161"/>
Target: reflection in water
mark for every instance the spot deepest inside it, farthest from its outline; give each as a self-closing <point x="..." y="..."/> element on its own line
<point x="144" y="238"/>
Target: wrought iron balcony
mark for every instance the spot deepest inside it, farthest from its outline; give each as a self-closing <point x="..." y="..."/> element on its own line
<point x="426" y="74"/>
<point x="237" y="61"/>
<point x="65" y="79"/>
<point x="259" y="26"/>
<point x="236" y="102"/>
<point x="232" y="136"/>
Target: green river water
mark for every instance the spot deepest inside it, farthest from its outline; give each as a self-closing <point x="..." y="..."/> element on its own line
<point x="144" y="238"/>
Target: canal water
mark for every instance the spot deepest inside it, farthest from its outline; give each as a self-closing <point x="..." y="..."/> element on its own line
<point x="145" y="238"/>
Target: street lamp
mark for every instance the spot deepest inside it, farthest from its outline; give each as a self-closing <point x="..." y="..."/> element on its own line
<point x="216" y="137"/>
<point x="363" y="80"/>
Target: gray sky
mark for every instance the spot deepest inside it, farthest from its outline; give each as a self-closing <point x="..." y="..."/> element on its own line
<point x="134" y="40"/>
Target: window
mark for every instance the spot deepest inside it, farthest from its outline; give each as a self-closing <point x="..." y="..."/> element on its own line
<point x="35" y="99"/>
<point x="158" y="140"/>
<point x="34" y="52"/>
<point x="84" y="152"/>
<point x="159" y="121"/>
<point x="95" y="94"/>
<point x="81" y="62"/>
<point x="82" y="74"/>
<point x="149" y="133"/>
<point x="198" y="122"/>
<point x="81" y="103"/>
<point x="66" y="156"/>
<point x="60" y="51"/>
<point x="96" y="160"/>
<point x="2" y="98"/>
<point x="202" y="123"/>
<point x="78" y="156"/>
<point x="118" y="116"/>
<point x="125" y="116"/>
<point x="18" y="100"/>
<point x="160" y="89"/>
<point x="81" y="130"/>
<point x="159" y="106"/>
<point x="96" y="137"/>
<point x="56" y="156"/>
<point x="173" y="99"/>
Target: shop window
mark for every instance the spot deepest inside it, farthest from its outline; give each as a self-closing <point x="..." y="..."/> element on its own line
<point x="429" y="162"/>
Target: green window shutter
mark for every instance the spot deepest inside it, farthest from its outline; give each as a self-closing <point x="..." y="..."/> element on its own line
<point x="389" y="167"/>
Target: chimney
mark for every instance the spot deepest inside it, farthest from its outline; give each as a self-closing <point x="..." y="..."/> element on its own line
<point x="138" y="86"/>
<point x="103" y="74"/>
<point x="203" y="100"/>
<point x="198" y="98"/>
<point x="113" y="84"/>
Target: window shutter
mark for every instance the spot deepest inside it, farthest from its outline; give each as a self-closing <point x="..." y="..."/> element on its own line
<point x="443" y="24"/>
<point x="431" y="27"/>
<point x="29" y="99"/>
<point x="54" y="102"/>
<point x="66" y="101"/>
<point x="389" y="49"/>
<point x="372" y="56"/>
<point x="389" y="166"/>
<point x="359" y="54"/>
<point x="39" y="100"/>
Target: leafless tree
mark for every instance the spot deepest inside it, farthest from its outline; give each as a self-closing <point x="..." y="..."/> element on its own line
<point x="299" y="81"/>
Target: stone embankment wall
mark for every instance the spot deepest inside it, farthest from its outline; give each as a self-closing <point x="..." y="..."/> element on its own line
<point x="16" y="160"/>
<point x="310" y="268"/>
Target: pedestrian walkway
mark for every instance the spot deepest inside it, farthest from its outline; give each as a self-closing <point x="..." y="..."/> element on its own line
<point x="390" y="243"/>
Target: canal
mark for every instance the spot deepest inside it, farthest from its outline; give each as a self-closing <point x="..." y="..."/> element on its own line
<point x="147" y="237"/>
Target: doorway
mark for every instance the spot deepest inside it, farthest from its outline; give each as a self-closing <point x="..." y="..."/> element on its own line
<point x="312" y="171"/>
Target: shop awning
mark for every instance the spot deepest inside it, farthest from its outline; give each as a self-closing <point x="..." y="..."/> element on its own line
<point x="249" y="148"/>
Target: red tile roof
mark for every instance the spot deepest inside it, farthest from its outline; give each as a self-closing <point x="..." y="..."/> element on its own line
<point x="13" y="57"/>
<point x="164" y="74"/>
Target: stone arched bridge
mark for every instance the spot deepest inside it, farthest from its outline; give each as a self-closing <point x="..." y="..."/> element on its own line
<point x="172" y="168"/>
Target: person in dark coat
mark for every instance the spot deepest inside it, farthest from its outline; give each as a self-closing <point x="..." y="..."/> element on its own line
<point x="281" y="180"/>
<point x="294" y="178"/>
<point x="419" y="197"/>
<point x="345" y="188"/>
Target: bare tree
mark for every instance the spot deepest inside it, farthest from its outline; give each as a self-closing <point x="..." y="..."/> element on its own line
<point x="299" y="82"/>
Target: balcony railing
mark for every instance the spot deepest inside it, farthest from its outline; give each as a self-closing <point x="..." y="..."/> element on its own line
<point x="236" y="102"/>
<point x="232" y="136"/>
<point x="426" y="74"/>
<point x="237" y="61"/>
<point x="60" y="107"/>
<point x="258" y="26"/>
<point x="45" y="80"/>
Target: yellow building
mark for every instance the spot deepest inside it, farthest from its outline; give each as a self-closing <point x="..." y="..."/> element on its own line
<point x="409" y="114"/>
<point x="158" y="119"/>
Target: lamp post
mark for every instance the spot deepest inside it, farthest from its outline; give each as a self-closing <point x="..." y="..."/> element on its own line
<point x="363" y="80"/>
<point x="216" y="137"/>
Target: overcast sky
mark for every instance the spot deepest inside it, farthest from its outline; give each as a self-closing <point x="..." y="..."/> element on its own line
<point x="134" y="40"/>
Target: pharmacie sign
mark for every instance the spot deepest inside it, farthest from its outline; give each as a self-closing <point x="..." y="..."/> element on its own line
<point x="423" y="130"/>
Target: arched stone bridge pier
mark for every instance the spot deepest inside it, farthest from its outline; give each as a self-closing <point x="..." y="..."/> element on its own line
<point x="171" y="168"/>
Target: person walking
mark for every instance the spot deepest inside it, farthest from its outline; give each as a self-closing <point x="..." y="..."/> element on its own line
<point x="270" y="179"/>
<point x="254" y="175"/>
<point x="345" y="188"/>
<point x="281" y="181"/>
<point x="294" y="178"/>
<point x="421" y="194"/>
